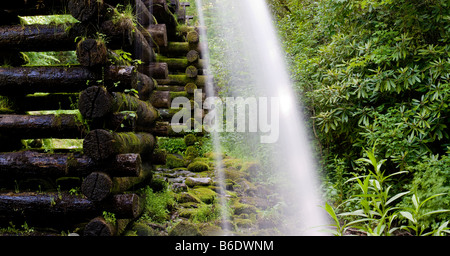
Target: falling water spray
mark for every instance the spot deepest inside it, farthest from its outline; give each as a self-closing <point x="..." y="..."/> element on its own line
<point x="258" y="70"/>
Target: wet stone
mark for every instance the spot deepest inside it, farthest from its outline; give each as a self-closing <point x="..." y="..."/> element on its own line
<point x="192" y="182"/>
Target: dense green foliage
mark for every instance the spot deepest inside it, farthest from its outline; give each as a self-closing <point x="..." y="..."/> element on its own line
<point x="375" y="73"/>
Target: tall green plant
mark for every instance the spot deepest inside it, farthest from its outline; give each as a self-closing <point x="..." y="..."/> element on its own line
<point x="377" y="213"/>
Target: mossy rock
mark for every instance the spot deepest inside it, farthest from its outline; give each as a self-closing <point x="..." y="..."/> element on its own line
<point x="191" y="152"/>
<point x="243" y="223"/>
<point x="198" y="166"/>
<point x="142" y="229"/>
<point x="185" y="197"/>
<point x="209" y="229"/>
<point x="240" y="208"/>
<point x="174" y="162"/>
<point x="232" y="163"/>
<point x="206" y="195"/>
<point x="213" y="155"/>
<point x="185" y="228"/>
<point x="252" y="168"/>
<point x="235" y="175"/>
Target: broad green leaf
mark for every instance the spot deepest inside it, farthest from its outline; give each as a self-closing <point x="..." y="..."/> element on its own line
<point x="392" y="199"/>
<point x="409" y="216"/>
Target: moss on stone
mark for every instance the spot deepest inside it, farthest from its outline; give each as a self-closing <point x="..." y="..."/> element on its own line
<point x="185" y="228"/>
<point x="142" y="229"/>
<point x="232" y="163"/>
<point x="191" y="152"/>
<point x="198" y="166"/>
<point x="206" y="195"/>
<point x="174" y="162"/>
<point x="190" y="139"/>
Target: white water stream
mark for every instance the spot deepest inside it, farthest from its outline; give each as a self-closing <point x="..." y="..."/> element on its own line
<point x="256" y="68"/>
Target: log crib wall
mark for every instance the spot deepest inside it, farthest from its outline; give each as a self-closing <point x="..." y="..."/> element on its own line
<point x="115" y="108"/>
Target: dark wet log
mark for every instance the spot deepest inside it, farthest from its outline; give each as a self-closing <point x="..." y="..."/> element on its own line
<point x="180" y="64"/>
<point x="182" y="80"/>
<point x="172" y="88"/>
<point x="156" y="35"/>
<point x="100" y="227"/>
<point x="26" y="80"/>
<point x="91" y="53"/>
<point x="98" y="186"/>
<point x="143" y="15"/>
<point x="47" y="206"/>
<point x="124" y="35"/>
<point x="102" y="144"/>
<point x="26" y="164"/>
<point x="97" y="102"/>
<point x="37" y="38"/>
<point x="42" y="126"/>
<point x="191" y="72"/>
<point x="86" y="10"/>
<point x="156" y="70"/>
<point x="166" y="129"/>
<point x="161" y="12"/>
<point x="160" y="99"/>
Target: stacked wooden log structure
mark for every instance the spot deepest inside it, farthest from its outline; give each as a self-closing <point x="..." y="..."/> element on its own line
<point x="123" y="98"/>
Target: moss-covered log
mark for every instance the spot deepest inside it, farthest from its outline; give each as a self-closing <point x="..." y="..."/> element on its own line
<point x="97" y="102"/>
<point x="182" y="80"/>
<point x="91" y="53"/>
<point x="42" y="126"/>
<point x="180" y="64"/>
<point x="124" y="35"/>
<point x="180" y="49"/>
<point x="27" y="80"/>
<point x="166" y="129"/>
<point x="97" y="186"/>
<point x="30" y="164"/>
<point x="51" y="206"/>
<point x="102" y="144"/>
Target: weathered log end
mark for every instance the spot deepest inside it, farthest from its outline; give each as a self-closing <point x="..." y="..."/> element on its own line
<point x="99" y="227"/>
<point x="95" y="102"/>
<point x="92" y="52"/>
<point x="97" y="186"/>
<point x="99" y="144"/>
<point x="191" y="72"/>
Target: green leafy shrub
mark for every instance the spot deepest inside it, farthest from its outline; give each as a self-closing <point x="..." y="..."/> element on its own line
<point x="432" y="177"/>
<point x="157" y="205"/>
<point x="172" y="145"/>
